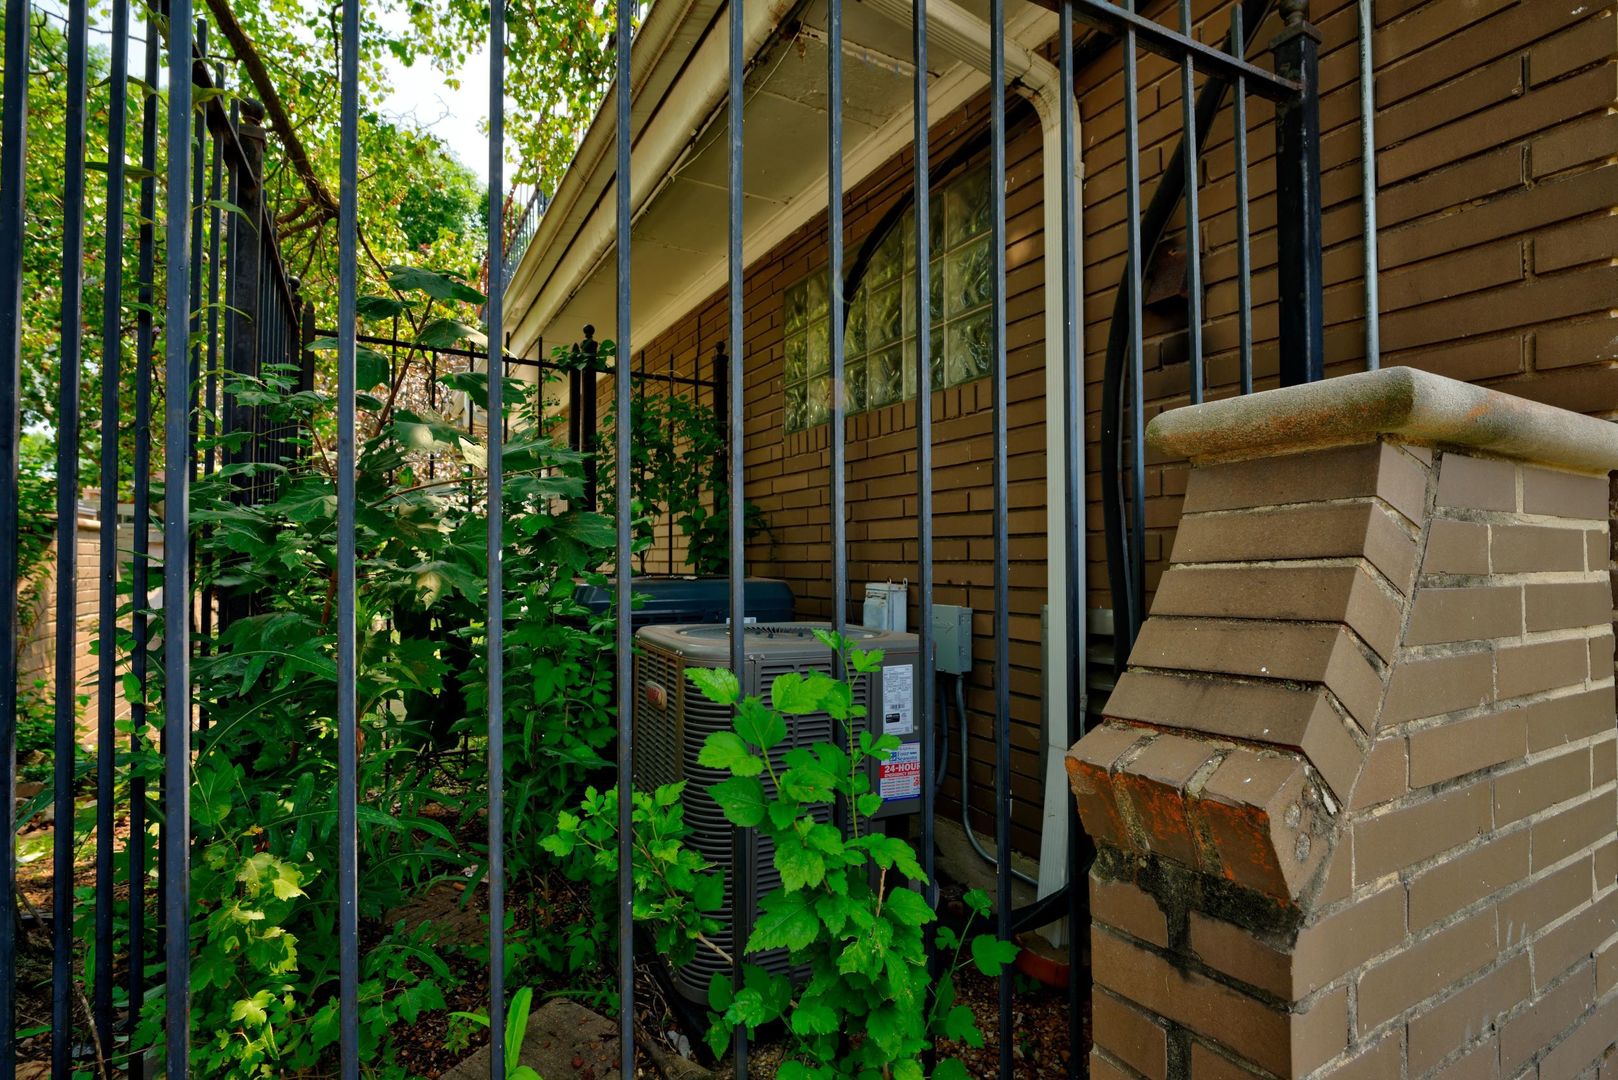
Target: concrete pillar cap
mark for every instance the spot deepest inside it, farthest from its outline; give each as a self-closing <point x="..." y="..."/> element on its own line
<point x="1413" y="406"/>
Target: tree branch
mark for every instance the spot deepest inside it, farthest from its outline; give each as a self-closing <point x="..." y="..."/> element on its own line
<point x="274" y="107"/>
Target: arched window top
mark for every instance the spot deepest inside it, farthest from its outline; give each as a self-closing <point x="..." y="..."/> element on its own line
<point x="879" y="336"/>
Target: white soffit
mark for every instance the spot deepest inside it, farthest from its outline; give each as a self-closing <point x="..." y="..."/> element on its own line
<point x="679" y="236"/>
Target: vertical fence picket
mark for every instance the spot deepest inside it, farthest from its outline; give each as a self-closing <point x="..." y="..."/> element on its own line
<point x="496" y="582"/>
<point x="107" y="687"/>
<point x="924" y="448"/>
<point x="835" y="307"/>
<point x="1373" y="301"/>
<point x="741" y="891"/>
<point x="139" y="568"/>
<point x="176" y="540"/>
<point x="347" y="672"/>
<point x="14" y="134"/>
<point x="1193" y="221"/>
<point x="71" y="360"/>
<point x="1244" y="240"/>
<point x="1299" y="285"/>
<point x="1001" y="539"/>
<point x="623" y="91"/>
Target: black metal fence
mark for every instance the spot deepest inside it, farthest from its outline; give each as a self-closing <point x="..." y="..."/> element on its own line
<point x="235" y="263"/>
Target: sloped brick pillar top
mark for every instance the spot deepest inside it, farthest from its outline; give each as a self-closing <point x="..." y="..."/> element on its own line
<point x="1364" y="754"/>
<point x="1400" y="403"/>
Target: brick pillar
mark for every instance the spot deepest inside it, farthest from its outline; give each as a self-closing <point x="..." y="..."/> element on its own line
<point x="1354" y="799"/>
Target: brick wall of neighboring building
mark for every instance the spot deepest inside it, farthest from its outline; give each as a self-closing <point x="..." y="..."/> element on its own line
<point x="1498" y="180"/>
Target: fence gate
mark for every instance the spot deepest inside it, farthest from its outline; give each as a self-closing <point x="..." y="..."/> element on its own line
<point x="224" y="308"/>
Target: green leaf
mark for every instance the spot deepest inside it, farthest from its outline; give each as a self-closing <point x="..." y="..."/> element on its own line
<point x="742" y="800"/>
<point x="759" y="726"/>
<point x="720" y="993"/>
<point x="251" y="1010"/>
<point x="951" y="1069"/>
<point x="908" y="908"/>
<point x="380" y="307"/>
<point x="726" y="750"/>
<point x="883" y="1025"/>
<point x="794" y="695"/>
<point x="814" y="1018"/>
<point x="787" y="920"/>
<point x="990" y="954"/>
<point x="437" y="285"/>
<point x="718" y="685"/>
<point x="800" y="868"/>
<point x="960" y="1025"/>
<point x="448" y="333"/>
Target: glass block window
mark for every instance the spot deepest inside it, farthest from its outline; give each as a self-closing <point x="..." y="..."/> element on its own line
<point x="879" y="338"/>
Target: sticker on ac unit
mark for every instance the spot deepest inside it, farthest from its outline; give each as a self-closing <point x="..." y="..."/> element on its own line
<point x="898" y="699"/>
<point x="900" y="775"/>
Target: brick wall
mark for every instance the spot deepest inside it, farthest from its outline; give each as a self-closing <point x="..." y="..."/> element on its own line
<point x="1497" y="184"/>
<point x="37" y="651"/>
<point x="788" y="475"/>
<point x="1355" y="797"/>
<point x="1496" y="191"/>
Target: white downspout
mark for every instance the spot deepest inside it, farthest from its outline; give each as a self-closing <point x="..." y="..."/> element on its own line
<point x="965" y="35"/>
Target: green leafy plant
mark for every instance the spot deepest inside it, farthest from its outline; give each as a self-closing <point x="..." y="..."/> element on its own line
<point x="846" y="912"/>
<point x="870" y="1006"/>
<point x="674" y="888"/>
<point x="517" y="1012"/>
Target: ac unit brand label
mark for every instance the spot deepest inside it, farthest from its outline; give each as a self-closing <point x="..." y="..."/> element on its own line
<point x="656" y="695"/>
<point x="898" y="699"/>
<point x="900" y="775"/>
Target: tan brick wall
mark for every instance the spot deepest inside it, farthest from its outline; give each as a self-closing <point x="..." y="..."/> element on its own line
<point x="1497" y="170"/>
<point x="1363" y="823"/>
<point x="37" y="654"/>
<point x="1496" y="191"/>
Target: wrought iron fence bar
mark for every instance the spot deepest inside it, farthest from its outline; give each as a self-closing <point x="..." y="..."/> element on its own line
<point x="496" y="579"/>
<point x="1156" y="38"/>
<point x="107" y="688"/>
<point x="1001" y="538"/>
<point x="13" y="155"/>
<point x="1134" y="550"/>
<point x="1073" y="478"/>
<point x="176" y="584"/>
<point x="623" y="92"/>
<point x="836" y="306"/>
<point x="347" y="660"/>
<point x="199" y="178"/>
<point x="139" y="567"/>
<point x="239" y="159"/>
<point x="1373" y="300"/>
<point x="211" y="394"/>
<point x="741" y="890"/>
<point x="1300" y="288"/>
<point x="928" y="690"/>
<point x="1193" y="220"/>
<point x="1244" y="239"/>
<point x="67" y="532"/>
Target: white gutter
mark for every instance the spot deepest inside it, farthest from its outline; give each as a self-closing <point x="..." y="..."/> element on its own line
<point x="963" y="34"/>
<point x="663" y="138"/>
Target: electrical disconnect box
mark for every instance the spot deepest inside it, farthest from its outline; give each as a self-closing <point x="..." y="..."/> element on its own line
<point x="952" y="639"/>
<point x="885" y="605"/>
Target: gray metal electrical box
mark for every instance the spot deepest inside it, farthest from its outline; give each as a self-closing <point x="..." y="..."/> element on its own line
<point x="952" y="639"/>
<point x="885" y="606"/>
